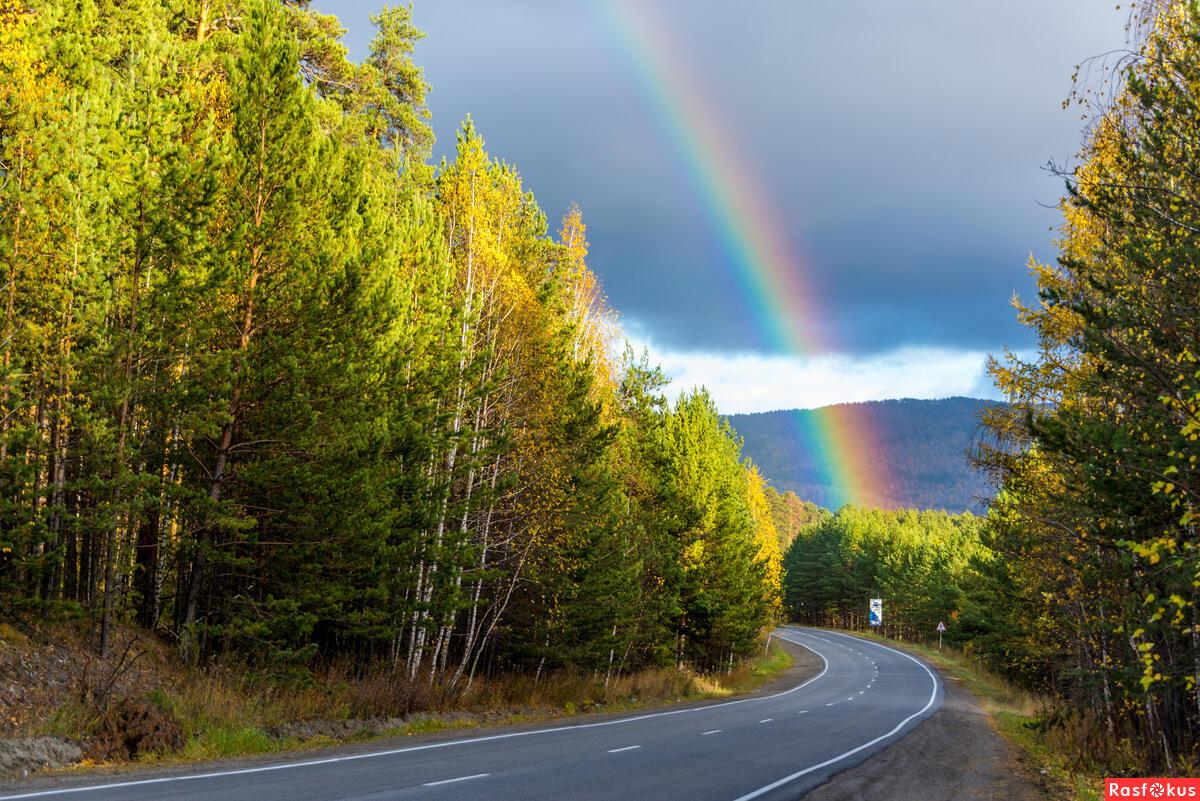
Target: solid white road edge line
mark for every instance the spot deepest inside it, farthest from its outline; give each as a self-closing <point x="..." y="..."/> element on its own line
<point x="427" y="747"/>
<point x="792" y="777"/>
<point x="459" y="779"/>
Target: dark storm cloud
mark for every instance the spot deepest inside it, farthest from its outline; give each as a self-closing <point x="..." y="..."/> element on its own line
<point x="902" y="144"/>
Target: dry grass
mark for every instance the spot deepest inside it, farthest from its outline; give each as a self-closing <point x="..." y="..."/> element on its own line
<point x="228" y="710"/>
<point x="227" y="713"/>
<point x="1071" y="748"/>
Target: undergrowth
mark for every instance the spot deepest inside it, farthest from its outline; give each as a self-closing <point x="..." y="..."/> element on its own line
<point x="228" y="710"/>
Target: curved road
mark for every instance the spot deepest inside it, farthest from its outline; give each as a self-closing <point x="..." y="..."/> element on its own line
<point x="769" y="747"/>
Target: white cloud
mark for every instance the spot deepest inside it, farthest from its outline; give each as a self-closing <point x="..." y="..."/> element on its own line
<point x="755" y="382"/>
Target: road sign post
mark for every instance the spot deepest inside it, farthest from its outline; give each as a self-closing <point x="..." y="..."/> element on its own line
<point x="940" y="629"/>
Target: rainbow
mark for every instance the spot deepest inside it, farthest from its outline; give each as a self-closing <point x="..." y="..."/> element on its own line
<point x="755" y="241"/>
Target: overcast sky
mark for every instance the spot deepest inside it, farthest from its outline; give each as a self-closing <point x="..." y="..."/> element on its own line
<point x="903" y="144"/>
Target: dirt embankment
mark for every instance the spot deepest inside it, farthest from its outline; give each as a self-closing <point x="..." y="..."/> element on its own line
<point x="43" y="669"/>
<point x="49" y="674"/>
<point x="955" y="755"/>
<point x="20" y="756"/>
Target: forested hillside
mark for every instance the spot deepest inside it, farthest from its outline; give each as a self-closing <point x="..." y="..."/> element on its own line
<point x="922" y="449"/>
<point x="275" y="387"/>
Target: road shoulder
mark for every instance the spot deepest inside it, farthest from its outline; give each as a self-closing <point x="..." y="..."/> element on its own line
<point x="955" y="755"/>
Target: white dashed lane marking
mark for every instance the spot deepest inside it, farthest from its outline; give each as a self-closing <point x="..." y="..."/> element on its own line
<point x="459" y="779"/>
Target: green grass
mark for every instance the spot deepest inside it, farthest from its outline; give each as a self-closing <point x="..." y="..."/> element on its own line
<point x="776" y="661"/>
<point x="432" y="725"/>
<point x="1015" y="713"/>
<point x="226" y="742"/>
<point x="222" y="742"/>
<point x="761" y="669"/>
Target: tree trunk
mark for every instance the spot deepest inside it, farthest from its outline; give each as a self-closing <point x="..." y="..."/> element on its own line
<point x="145" y="570"/>
<point x="59" y="436"/>
<point x="221" y="461"/>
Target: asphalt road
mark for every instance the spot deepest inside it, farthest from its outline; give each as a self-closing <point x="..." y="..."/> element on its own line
<point x="769" y="747"/>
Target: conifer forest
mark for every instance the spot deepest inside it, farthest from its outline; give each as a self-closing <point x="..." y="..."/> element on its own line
<point x="279" y="389"/>
<point x="273" y="384"/>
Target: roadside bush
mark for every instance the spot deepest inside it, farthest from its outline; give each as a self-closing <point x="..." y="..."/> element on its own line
<point x="129" y="729"/>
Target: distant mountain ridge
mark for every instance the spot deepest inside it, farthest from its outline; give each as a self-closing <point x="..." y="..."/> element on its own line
<point x="919" y="450"/>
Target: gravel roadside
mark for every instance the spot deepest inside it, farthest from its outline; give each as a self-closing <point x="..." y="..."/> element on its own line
<point x="955" y="755"/>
